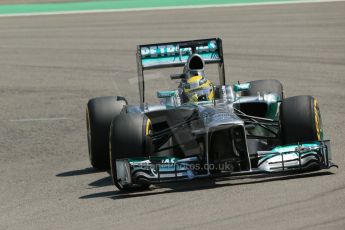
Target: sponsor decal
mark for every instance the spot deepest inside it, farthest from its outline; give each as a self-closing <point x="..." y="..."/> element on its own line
<point x="174" y="50"/>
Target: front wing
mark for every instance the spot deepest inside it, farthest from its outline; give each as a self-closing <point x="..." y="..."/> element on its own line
<point x="290" y="158"/>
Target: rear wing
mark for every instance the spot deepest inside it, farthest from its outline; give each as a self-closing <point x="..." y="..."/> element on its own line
<point x="175" y="54"/>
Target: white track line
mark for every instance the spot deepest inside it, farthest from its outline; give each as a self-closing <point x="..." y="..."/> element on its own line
<point x="167" y="8"/>
<point x="41" y="119"/>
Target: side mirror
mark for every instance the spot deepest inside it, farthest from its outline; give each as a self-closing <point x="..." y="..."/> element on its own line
<point x="177" y="76"/>
<point x="166" y="94"/>
<point x="241" y="87"/>
<point x="169" y="98"/>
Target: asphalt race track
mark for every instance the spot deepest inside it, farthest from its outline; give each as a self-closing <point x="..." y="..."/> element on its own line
<point x="51" y="65"/>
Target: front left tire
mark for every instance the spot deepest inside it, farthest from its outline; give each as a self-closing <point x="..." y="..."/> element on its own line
<point x="129" y="138"/>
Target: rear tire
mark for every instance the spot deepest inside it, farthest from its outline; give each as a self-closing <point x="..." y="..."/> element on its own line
<point x="264" y="86"/>
<point x="128" y="139"/>
<point x="99" y="114"/>
<point x="300" y="120"/>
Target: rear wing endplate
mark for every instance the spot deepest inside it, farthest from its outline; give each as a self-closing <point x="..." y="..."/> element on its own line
<point x="175" y="54"/>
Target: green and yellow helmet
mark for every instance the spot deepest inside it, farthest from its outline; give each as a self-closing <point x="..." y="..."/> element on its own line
<point x="198" y="88"/>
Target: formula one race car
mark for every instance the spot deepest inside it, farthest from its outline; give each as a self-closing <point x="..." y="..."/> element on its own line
<point x="203" y="129"/>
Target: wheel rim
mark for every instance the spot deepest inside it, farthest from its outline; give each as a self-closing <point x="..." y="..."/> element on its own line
<point x="318" y="121"/>
<point x="148" y="127"/>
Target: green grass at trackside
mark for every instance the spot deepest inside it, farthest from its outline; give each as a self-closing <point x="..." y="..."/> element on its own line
<point x="114" y="5"/>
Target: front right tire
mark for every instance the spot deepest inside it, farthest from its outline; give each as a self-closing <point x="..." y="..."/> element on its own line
<point x="300" y="120"/>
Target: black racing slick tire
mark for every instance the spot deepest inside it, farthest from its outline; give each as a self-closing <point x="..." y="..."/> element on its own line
<point x="99" y="114"/>
<point x="264" y="86"/>
<point x="300" y="120"/>
<point x="129" y="138"/>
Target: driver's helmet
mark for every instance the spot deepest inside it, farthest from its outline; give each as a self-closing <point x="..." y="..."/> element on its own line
<point x="198" y="88"/>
